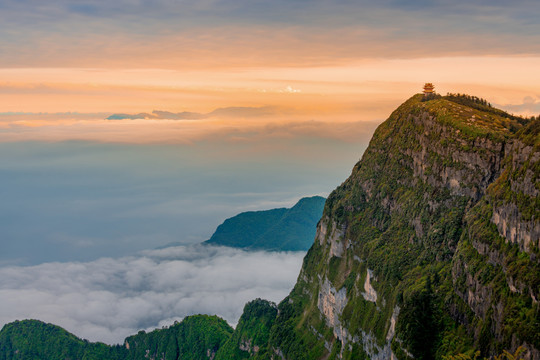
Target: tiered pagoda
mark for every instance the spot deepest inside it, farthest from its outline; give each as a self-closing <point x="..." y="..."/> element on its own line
<point x="429" y="92"/>
<point x="429" y="89"/>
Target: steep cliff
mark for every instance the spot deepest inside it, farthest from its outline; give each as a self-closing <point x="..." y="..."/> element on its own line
<point x="430" y="247"/>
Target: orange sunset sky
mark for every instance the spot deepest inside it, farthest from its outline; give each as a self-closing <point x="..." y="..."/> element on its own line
<point x="65" y="66"/>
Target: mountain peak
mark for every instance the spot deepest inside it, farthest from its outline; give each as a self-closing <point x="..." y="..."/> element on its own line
<point x="276" y="229"/>
<point x="426" y="241"/>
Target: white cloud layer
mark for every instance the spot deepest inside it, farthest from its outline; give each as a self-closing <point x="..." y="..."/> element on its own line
<point x="109" y="299"/>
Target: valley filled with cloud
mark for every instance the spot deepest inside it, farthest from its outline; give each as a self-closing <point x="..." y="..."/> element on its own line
<point x="110" y="298"/>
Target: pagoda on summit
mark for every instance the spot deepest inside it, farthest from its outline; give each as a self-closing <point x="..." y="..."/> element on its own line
<point x="429" y="88"/>
<point x="429" y="91"/>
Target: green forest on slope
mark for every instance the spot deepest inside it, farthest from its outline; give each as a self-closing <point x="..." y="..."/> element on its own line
<point x="195" y="337"/>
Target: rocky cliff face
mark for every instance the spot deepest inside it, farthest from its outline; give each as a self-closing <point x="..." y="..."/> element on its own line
<point x="429" y="248"/>
<point x="514" y="217"/>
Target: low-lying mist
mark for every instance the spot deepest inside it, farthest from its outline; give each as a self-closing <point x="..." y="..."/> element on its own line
<point x="108" y="299"/>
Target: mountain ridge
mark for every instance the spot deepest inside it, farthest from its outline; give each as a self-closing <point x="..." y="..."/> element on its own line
<point x="281" y="229"/>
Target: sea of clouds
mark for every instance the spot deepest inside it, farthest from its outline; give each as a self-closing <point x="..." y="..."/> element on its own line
<point x="110" y="298"/>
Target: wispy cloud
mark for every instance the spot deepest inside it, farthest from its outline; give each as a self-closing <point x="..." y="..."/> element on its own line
<point x="529" y="106"/>
<point x="109" y="299"/>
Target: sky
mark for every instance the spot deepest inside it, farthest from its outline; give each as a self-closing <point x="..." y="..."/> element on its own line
<point x="128" y="125"/>
<point x="326" y="60"/>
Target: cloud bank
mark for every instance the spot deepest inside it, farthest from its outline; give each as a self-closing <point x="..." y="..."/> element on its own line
<point x="232" y="124"/>
<point x="109" y="299"/>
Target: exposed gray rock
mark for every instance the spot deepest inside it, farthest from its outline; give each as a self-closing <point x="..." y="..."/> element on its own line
<point x="338" y="244"/>
<point x="331" y="303"/>
<point x="514" y="229"/>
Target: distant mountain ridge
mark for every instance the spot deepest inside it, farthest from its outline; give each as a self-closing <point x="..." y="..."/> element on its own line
<point x="233" y="111"/>
<point x="276" y="229"/>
